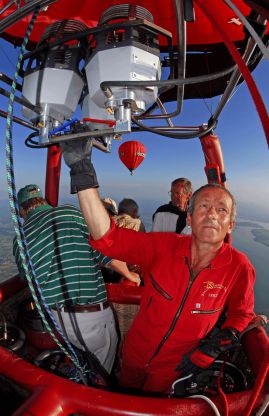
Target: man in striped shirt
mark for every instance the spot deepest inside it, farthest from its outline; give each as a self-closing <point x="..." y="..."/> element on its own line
<point x="68" y="271"/>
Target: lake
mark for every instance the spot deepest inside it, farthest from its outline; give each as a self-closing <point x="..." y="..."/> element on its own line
<point x="258" y="254"/>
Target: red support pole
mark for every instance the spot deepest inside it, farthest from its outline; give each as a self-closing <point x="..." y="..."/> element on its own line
<point x="214" y="168"/>
<point x="214" y="164"/>
<point x="53" y="172"/>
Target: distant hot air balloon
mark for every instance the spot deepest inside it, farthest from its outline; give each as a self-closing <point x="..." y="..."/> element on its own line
<point x="132" y="153"/>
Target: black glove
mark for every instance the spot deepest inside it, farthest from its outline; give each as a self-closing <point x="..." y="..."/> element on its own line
<point x="77" y="155"/>
<point x="208" y="350"/>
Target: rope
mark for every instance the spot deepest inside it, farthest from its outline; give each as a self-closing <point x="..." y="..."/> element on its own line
<point x="14" y="207"/>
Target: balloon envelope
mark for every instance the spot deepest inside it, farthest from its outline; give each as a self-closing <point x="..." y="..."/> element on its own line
<point x="206" y="52"/>
<point x="132" y="153"/>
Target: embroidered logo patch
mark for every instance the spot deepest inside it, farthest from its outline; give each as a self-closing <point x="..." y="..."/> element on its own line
<point x="208" y="285"/>
<point x="236" y="21"/>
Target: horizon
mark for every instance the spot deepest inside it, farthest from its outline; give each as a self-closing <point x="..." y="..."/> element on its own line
<point x="148" y="207"/>
<point x="249" y="236"/>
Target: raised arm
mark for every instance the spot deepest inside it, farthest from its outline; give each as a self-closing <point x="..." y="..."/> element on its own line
<point x="126" y="245"/>
<point x="94" y="213"/>
<point x="77" y="154"/>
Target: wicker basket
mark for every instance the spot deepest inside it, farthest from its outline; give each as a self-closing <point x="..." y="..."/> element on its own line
<point x="124" y="316"/>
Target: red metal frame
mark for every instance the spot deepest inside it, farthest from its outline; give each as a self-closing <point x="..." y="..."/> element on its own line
<point x="50" y="394"/>
<point x="53" y="173"/>
<point x="10" y="287"/>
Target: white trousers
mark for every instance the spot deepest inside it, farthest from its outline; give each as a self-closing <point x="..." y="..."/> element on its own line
<point x="98" y="332"/>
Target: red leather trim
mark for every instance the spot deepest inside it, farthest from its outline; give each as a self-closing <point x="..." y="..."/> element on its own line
<point x="200" y="359"/>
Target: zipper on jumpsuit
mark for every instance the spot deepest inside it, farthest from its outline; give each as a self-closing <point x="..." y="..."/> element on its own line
<point x="192" y="277"/>
<point x="196" y="311"/>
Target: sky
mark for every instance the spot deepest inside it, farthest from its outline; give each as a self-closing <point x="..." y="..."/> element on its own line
<point x="243" y="142"/>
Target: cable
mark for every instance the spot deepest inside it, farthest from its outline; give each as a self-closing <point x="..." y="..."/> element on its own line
<point x="7" y="6"/>
<point x="63" y="127"/>
<point x="263" y="406"/>
<point x="210" y="402"/>
<point x="29" y="142"/>
<point x="22" y="12"/>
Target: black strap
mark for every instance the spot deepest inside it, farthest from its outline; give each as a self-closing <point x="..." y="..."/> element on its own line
<point x="93" y="362"/>
<point x="181" y="222"/>
<point x="58" y="310"/>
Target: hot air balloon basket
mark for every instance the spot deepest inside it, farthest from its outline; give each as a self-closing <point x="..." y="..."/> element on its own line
<point x="125" y="315"/>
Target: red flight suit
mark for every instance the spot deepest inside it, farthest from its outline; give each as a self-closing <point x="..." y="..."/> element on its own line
<point x="177" y="310"/>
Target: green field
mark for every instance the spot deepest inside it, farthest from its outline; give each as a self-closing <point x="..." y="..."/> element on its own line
<point x="7" y="265"/>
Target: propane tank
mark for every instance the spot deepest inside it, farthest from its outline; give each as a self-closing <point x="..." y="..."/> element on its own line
<point x="53" y="80"/>
<point x="123" y="53"/>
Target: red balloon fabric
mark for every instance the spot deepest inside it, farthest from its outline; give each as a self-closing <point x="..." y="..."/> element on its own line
<point x="132" y="153"/>
<point x="89" y="12"/>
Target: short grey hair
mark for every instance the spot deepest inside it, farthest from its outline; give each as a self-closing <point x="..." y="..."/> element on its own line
<point x="127" y="206"/>
<point x="187" y="184"/>
<point x="217" y="186"/>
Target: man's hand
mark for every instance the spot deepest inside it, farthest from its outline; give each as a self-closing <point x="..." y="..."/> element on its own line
<point x="122" y="268"/>
<point x="208" y="350"/>
<point x="133" y="277"/>
<point x="76" y="154"/>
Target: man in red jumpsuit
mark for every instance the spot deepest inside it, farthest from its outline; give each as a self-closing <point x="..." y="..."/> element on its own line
<point x="189" y="281"/>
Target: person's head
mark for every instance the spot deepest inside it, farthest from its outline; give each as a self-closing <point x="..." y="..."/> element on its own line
<point x="181" y="191"/>
<point x="211" y="213"/>
<point x="128" y="206"/>
<point x="30" y="197"/>
<point x="110" y="205"/>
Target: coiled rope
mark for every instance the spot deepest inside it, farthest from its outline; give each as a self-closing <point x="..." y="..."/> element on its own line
<point x="17" y="222"/>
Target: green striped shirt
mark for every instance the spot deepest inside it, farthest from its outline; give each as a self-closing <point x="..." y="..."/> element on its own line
<point x="66" y="266"/>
